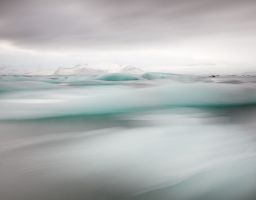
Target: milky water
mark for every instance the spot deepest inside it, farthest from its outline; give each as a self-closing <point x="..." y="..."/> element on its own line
<point x="120" y="136"/>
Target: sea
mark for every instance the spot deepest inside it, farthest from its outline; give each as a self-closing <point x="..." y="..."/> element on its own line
<point x="151" y="136"/>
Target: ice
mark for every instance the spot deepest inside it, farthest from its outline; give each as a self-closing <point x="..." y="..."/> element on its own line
<point x="118" y="77"/>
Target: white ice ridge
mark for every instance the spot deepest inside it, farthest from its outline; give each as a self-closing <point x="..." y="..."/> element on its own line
<point x="90" y="70"/>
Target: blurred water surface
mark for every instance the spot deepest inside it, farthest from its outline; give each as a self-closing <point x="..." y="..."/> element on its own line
<point x="153" y="137"/>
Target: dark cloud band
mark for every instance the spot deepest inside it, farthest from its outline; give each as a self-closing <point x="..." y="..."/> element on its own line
<point x="90" y="23"/>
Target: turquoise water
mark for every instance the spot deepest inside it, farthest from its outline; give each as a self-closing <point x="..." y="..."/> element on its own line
<point x="154" y="136"/>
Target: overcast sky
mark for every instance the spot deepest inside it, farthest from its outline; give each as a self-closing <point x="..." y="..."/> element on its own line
<point x="200" y="34"/>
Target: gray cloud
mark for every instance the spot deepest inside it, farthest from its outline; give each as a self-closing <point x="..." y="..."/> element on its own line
<point x="93" y="23"/>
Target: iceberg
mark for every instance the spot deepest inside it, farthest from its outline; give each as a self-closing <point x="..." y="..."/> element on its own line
<point x="131" y="70"/>
<point x="118" y="77"/>
<point x="78" y="70"/>
<point x="156" y="75"/>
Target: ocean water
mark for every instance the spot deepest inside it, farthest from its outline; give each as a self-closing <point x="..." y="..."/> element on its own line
<point x="154" y="136"/>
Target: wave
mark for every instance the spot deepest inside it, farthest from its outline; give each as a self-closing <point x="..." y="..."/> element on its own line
<point x="116" y="99"/>
<point x="174" y="138"/>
